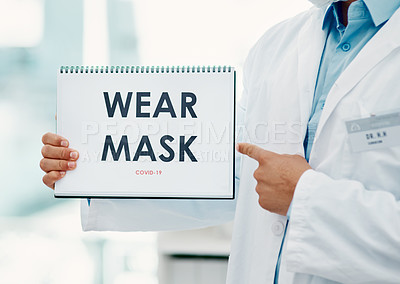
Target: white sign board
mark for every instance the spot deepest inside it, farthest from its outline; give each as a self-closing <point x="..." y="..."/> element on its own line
<point x="148" y="132"/>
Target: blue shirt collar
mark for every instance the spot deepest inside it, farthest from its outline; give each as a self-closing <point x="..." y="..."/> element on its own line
<point x="380" y="11"/>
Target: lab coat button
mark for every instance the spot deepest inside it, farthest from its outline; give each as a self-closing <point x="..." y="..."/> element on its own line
<point x="277" y="228"/>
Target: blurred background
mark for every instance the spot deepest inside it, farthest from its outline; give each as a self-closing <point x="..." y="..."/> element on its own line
<point x="40" y="237"/>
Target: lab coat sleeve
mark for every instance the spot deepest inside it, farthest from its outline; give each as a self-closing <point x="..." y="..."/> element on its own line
<point x="161" y="215"/>
<point x="342" y="231"/>
<point x="155" y="215"/>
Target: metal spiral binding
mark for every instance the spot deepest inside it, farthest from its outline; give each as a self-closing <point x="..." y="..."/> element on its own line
<point x="145" y="69"/>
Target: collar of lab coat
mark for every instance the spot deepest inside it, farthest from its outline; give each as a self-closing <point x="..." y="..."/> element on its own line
<point x="311" y="43"/>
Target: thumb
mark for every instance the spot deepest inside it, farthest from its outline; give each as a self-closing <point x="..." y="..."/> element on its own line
<point x="250" y="150"/>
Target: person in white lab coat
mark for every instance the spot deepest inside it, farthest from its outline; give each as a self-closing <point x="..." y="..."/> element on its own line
<point x="319" y="191"/>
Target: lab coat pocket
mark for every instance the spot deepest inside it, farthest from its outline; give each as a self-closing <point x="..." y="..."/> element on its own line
<point x="373" y="150"/>
<point x="377" y="169"/>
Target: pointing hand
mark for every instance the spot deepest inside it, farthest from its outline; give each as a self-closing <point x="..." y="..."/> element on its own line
<point x="277" y="176"/>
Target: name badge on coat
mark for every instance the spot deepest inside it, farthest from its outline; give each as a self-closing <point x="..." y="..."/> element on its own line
<point x="375" y="132"/>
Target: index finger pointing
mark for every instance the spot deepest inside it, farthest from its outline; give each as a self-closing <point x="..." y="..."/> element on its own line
<point x="250" y="150"/>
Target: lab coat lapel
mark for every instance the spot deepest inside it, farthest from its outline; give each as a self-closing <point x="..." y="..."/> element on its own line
<point x="380" y="46"/>
<point x="311" y="42"/>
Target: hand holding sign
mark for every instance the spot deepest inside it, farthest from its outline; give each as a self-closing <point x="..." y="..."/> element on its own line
<point x="277" y="176"/>
<point x="57" y="158"/>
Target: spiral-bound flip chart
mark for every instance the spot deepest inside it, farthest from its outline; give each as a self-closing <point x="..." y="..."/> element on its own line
<point x="148" y="132"/>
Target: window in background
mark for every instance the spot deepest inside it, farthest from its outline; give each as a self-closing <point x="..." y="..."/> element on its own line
<point x="27" y="91"/>
<point x="110" y="36"/>
<point x="40" y="233"/>
<point x="208" y="32"/>
<point x="22" y="23"/>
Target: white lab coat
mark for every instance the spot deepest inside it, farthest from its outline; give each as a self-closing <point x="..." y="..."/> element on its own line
<point x="345" y="219"/>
